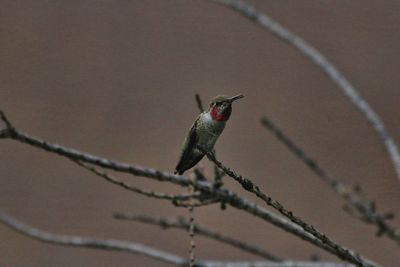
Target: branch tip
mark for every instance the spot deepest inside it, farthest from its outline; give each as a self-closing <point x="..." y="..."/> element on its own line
<point x="199" y="103"/>
<point x="6" y="121"/>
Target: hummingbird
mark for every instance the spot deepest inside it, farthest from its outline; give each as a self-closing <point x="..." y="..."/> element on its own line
<point x="205" y="131"/>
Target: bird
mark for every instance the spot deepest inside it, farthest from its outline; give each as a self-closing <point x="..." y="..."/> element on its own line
<point x="205" y="131"/>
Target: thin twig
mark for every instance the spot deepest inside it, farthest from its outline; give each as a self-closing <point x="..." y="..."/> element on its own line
<point x="326" y="66"/>
<point x="248" y="185"/>
<point x="366" y="209"/>
<point x="192" y="243"/>
<point x="6" y="121"/>
<point x="136" y="248"/>
<point x="192" y="246"/>
<point x="181" y="223"/>
<point x="218" y="175"/>
<point x="199" y="103"/>
<point x="127" y="186"/>
<point x="204" y="187"/>
<point x="8" y="130"/>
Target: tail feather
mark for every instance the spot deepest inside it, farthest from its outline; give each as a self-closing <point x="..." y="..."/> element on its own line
<point x="185" y="164"/>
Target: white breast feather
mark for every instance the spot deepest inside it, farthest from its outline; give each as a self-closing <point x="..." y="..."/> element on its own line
<point x="209" y="120"/>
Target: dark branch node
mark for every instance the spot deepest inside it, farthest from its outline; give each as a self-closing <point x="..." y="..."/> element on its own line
<point x="199" y="175"/>
<point x="4" y="133"/>
<point x="247" y="184"/>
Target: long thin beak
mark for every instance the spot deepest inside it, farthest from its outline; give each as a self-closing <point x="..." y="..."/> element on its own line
<point x="236" y="97"/>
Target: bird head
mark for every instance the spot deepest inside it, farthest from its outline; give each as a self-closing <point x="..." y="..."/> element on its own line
<point x="221" y="107"/>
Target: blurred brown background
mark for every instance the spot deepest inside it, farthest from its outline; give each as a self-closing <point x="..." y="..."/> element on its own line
<point x="118" y="78"/>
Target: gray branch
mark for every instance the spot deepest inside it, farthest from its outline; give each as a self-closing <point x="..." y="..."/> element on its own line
<point x="136" y="248"/>
<point x="73" y="154"/>
<point x="247" y="184"/>
<point x="79" y="241"/>
<point x="326" y="66"/>
<point x="275" y="264"/>
<point x="204" y="202"/>
<point x="204" y="187"/>
<point x="366" y="209"/>
<point x="181" y="223"/>
<point x="127" y="186"/>
<point x="199" y="103"/>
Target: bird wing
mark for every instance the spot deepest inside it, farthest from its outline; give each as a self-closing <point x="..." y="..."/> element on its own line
<point x="187" y="159"/>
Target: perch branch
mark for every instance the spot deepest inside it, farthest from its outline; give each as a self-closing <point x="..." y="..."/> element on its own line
<point x="367" y="211"/>
<point x="204" y="187"/>
<point x="181" y="223"/>
<point x="136" y="248"/>
<point x="76" y="155"/>
<point x="326" y="66"/>
<point x="248" y="185"/>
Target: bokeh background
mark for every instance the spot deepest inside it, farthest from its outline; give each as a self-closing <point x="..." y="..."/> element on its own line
<point x="118" y="78"/>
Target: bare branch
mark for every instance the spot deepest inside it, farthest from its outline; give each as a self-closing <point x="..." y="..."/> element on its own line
<point x="79" y="241"/>
<point x="8" y="124"/>
<point x="202" y="203"/>
<point x="204" y="187"/>
<point x="248" y="185"/>
<point x="101" y="162"/>
<point x="276" y="264"/>
<point x="136" y="248"/>
<point x="199" y="103"/>
<point x="127" y="186"/>
<point x="367" y="211"/>
<point x="326" y="66"/>
<point x="181" y="223"/>
<point x="9" y="128"/>
<point x="192" y="243"/>
<point x="192" y="246"/>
